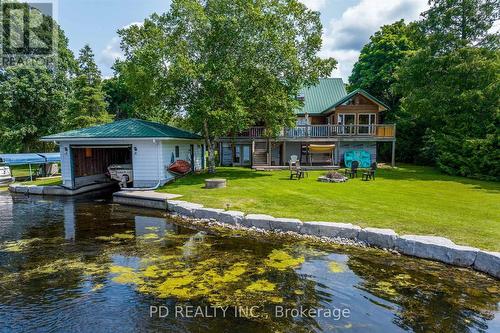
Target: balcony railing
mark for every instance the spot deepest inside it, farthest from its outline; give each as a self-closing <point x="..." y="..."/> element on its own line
<point x="328" y="131"/>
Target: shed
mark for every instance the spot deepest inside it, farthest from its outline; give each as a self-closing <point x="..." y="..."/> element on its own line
<point x="148" y="147"/>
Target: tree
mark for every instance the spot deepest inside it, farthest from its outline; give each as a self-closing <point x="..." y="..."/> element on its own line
<point x="118" y="98"/>
<point x="379" y="60"/>
<point x="87" y="106"/>
<point x="375" y="71"/>
<point x="32" y="101"/>
<point x="452" y="24"/>
<point x="451" y="85"/>
<point x="34" y="95"/>
<point x="226" y="64"/>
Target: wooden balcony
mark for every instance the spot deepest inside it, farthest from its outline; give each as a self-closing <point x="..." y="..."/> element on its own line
<point x="386" y="131"/>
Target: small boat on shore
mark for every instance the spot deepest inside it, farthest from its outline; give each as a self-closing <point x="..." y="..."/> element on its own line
<point x="179" y="167"/>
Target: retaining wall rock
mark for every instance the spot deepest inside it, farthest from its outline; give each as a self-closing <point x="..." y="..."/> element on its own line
<point x="232" y="217"/>
<point x="207" y="213"/>
<point x="436" y="248"/>
<point x="385" y="238"/>
<point x="183" y="207"/>
<point x="428" y="247"/>
<point x="488" y="262"/>
<point x="285" y="224"/>
<point x="330" y="229"/>
<point x="260" y="221"/>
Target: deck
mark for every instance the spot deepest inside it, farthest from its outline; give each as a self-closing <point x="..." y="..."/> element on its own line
<point x="300" y="132"/>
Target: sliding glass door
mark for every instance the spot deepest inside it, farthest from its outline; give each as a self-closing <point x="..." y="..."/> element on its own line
<point x="366" y="122"/>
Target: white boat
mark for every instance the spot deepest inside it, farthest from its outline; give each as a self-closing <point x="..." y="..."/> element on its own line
<point x="5" y="175"/>
<point x="122" y="173"/>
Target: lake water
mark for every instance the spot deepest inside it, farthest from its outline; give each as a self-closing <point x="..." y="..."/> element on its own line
<point x="87" y="265"/>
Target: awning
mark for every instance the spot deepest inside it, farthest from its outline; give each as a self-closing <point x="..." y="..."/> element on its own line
<point x="51" y="157"/>
<point x="321" y="148"/>
<point x="32" y="158"/>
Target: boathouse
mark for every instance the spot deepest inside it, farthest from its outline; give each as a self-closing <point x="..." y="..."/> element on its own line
<point x="145" y="148"/>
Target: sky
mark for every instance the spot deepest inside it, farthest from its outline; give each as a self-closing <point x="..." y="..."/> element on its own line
<point x="347" y="25"/>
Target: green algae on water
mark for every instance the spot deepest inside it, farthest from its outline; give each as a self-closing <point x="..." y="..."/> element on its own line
<point x="281" y="260"/>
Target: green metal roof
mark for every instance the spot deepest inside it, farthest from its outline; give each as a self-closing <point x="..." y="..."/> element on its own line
<point x="322" y="96"/>
<point x="127" y="128"/>
<point x="352" y="94"/>
<point x="327" y="94"/>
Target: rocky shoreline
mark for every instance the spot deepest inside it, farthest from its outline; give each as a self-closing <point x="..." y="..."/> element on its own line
<point x="426" y="247"/>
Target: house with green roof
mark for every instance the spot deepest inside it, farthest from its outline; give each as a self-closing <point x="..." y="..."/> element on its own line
<point x="141" y="150"/>
<point x="333" y="127"/>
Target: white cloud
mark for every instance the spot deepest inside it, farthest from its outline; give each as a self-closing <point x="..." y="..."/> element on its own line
<point x="314" y="4"/>
<point x="344" y="37"/>
<point x="112" y="51"/>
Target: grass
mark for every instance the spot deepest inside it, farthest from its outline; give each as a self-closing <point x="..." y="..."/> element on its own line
<point x="49" y="181"/>
<point x="409" y="199"/>
<point x="23" y="170"/>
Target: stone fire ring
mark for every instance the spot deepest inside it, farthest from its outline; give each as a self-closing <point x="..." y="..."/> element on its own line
<point x="215" y="183"/>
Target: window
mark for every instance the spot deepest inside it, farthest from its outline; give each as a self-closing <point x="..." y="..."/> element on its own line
<point x="177" y="153"/>
<point x="366" y="123"/>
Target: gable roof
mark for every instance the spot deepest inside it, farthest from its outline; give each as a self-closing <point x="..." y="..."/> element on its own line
<point x="327" y="94"/>
<point x="320" y="97"/>
<point x="127" y="128"/>
<point x="354" y="93"/>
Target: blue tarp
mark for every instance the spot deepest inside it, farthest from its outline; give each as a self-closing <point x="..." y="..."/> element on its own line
<point x="20" y="159"/>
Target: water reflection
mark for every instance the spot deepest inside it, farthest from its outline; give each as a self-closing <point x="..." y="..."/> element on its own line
<point x="88" y="265"/>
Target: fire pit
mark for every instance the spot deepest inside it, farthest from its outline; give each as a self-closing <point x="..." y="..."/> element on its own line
<point x="332" y="177"/>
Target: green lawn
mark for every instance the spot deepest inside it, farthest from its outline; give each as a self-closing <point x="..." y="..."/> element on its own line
<point x="408" y="199"/>
<point x="49" y="181"/>
<point x="23" y="170"/>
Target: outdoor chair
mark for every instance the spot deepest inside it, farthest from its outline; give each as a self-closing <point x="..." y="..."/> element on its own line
<point x="296" y="171"/>
<point x="293" y="160"/>
<point x="370" y="174"/>
<point x="353" y="171"/>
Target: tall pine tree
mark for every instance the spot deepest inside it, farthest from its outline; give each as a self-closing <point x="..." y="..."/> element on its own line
<point x="88" y="106"/>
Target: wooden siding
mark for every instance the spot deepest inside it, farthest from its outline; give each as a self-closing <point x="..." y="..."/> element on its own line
<point x="94" y="161"/>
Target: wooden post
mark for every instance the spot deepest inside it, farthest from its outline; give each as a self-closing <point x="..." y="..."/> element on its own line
<point x="253" y="151"/>
<point x="284" y="153"/>
<point x="393" y="157"/>
<point x="269" y="152"/>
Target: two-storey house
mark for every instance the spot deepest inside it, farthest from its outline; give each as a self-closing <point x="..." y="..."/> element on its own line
<point x="332" y="125"/>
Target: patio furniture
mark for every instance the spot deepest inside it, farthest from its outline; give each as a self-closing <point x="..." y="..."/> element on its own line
<point x="296" y="171"/>
<point x="353" y="171"/>
<point x="370" y="174"/>
<point x="293" y="160"/>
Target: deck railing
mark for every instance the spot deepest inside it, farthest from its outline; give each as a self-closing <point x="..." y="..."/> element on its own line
<point x="328" y="131"/>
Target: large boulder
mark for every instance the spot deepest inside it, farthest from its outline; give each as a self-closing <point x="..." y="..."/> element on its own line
<point x="436" y="248"/>
<point x="331" y="229"/>
<point x="259" y="221"/>
<point x="384" y="238"/>
<point x="488" y="262"/>
<point x="207" y="213"/>
<point x="232" y="217"/>
<point x="183" y="207"/>
<point x="285" y="224"/>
